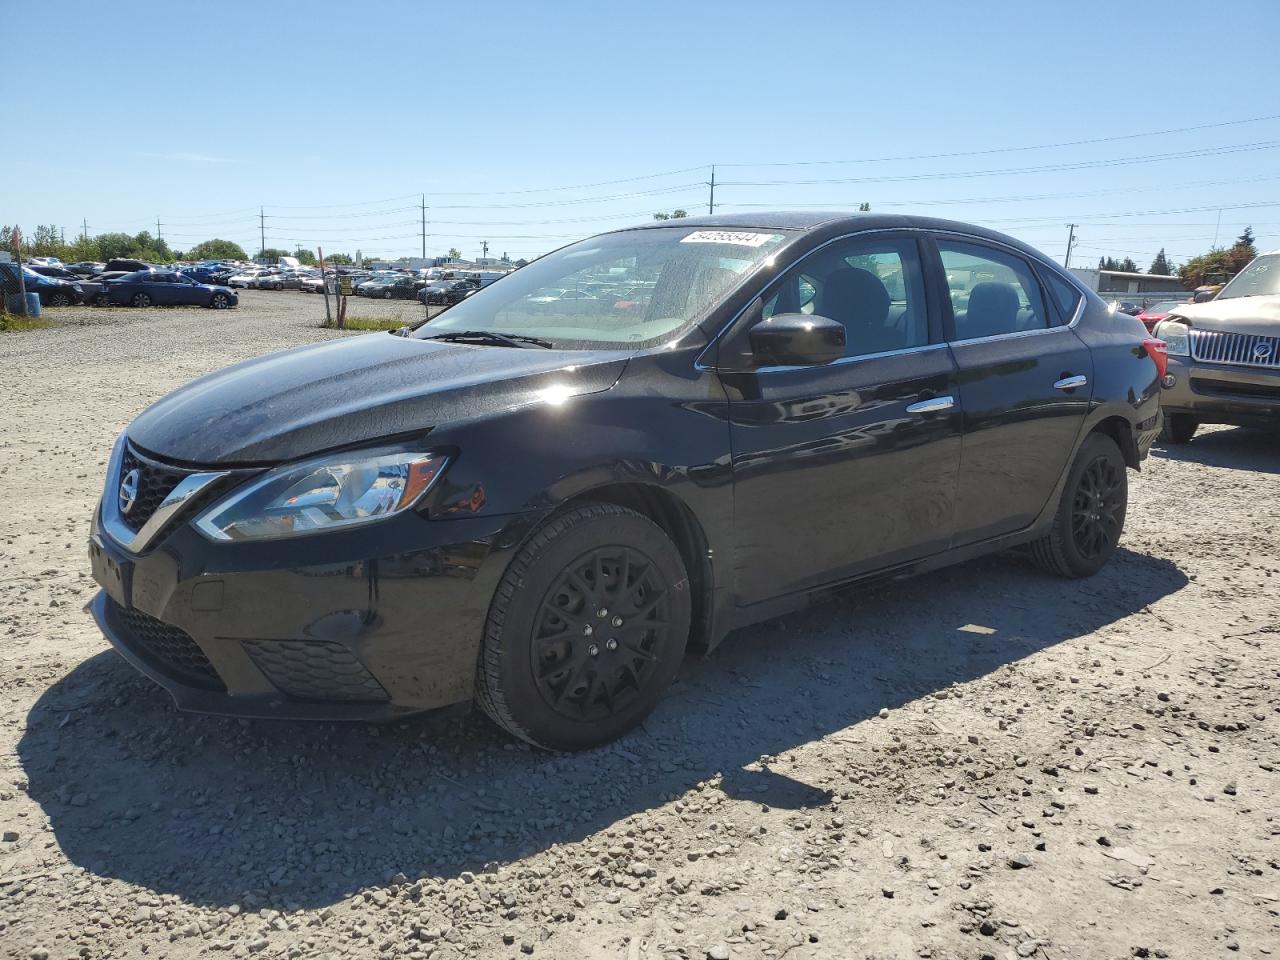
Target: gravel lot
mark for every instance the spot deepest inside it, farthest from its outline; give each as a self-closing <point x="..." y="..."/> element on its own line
<point x="981" y="763"/>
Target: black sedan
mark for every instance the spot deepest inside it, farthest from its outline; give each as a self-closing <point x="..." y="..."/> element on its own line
<point x="542" y="508"/>
<point x="447" y="292"/>
<point x="392" y="288"/>
<point x="167" y="288"/>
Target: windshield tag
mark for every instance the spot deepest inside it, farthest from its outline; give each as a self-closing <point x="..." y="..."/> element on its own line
<point x="729" y="236"/>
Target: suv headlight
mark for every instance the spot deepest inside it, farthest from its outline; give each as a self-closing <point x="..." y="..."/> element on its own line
<point x="1177" y="337"/>
<point x="327" y="493"/>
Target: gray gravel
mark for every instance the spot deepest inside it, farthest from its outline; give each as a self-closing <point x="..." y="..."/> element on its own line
<point x="982" y="763"/>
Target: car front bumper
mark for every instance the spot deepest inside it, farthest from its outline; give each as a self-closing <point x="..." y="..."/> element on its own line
<point x="1222" y="393"/>
<point x="366" y="625"/>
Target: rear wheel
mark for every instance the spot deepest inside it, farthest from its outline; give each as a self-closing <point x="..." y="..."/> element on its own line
<point x="141" y="300"/>
<point x="1090" y="516"/>
<point x="1179" y="428"/>
<point x="586" y="630"/>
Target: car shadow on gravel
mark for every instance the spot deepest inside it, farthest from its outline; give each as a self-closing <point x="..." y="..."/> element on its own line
<point x="294" y="815"/>
<point x="1239" y="448"/>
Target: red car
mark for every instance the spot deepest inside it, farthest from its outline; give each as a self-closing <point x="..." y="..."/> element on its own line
<point x="1155" y="312"/>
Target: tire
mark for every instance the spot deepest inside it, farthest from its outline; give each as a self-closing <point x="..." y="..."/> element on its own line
<point x="386" y="294"/>
<point x="219" y="301"/>
<point x="59" y="299"/>
<point x="1090" y="516"/>
<point x="557" y="667"/>
<point x="1179" y="428"/>
<point x="277" y="286"/>
<point x="141" y="300"/>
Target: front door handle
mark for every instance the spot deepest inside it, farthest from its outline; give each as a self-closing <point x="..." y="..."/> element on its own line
<point x="932" y="405"/>
<point x="1071" y="383"/>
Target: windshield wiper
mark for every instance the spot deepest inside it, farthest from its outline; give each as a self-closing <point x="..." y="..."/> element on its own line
<point x="490" y="336"/>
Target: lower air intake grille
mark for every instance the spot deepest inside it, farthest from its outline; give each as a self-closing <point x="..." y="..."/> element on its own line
<point x="314" y="670"/>
<point x="171" y="649"/>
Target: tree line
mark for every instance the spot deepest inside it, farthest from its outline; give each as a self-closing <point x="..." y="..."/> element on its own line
<point x="1218" y="264"/>
<point x="46" y="241"/>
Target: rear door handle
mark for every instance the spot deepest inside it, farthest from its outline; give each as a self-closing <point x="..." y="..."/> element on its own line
<point x="932" y="405"/>
<point x="1071" y="383"/>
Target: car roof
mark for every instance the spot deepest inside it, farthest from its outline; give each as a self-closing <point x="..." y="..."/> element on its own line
<point x="834" y="221"/>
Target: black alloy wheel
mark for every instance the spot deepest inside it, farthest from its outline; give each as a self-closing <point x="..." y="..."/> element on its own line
<point x="601" y="630"/>
<point x="59" y="299"/>
<point x="587" y="629"/>
<point x="141" y="300"/>
<point x="1098" y="507"/>
<point x="1090" y="515"/>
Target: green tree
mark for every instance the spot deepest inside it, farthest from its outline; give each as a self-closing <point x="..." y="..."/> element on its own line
<point x="864" y="207"/>
<point x="338" y="259"/>
<point x="1161" y="265"/>
<point x="1128" y="266"/>
<point x="272" y="254"/>
<point x="216" y="250"/>
<point x="455" y="253"/>
<point x="676" y="214"/>
<point x="1247" y="239"/>
<point x="305" y="256"/>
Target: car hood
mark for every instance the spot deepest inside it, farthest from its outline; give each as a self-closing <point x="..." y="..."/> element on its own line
<point x="1255" y="315"/>
<point x="344" y="392"/>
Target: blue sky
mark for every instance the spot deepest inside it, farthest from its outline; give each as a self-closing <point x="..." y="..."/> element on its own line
<point x="335" y="117"/>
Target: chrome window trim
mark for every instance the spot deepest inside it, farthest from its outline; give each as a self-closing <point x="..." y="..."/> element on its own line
<point x="109" y="510"/>
<point x="785" y="368"/>
<point x="929" y="232"/>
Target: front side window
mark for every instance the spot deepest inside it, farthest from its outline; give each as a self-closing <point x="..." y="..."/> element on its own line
<point x="633" y="288"/>
<point x="874" y="287"/>
<point x="993" y="293"/>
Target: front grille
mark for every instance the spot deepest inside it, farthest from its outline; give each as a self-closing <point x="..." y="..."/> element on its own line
<point x="314" y="670"/>
<point x="1243" y="349"/>
<point x="1228" y="388"/>
<point x="168" y="647"/>
<point x="155" y="482"/>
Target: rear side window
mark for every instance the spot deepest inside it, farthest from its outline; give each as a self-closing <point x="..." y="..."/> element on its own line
<point x="993" y="293"/>
<point x="1066" y="297"/>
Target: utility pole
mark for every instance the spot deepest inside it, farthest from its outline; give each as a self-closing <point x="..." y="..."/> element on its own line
<point x="424" y="226"/>
<point x="484" y="250"/>
<point x="84" y="229"/>
<point x="711" y="205"/>
<point x="262" y="230"/>
<point x="1071" y="240"/>
<point x="1216" y="228"/>
<point x="159" y="235"/>
<point x="62" y="235"/>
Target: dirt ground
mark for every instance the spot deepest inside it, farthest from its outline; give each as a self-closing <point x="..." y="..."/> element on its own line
<point x="984" y="762"/>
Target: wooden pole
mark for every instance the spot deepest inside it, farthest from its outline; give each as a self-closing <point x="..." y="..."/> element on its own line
<point x="324" y="286"/>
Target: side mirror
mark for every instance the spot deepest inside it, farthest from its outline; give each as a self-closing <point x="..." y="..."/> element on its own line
<point x="797" y="339"/>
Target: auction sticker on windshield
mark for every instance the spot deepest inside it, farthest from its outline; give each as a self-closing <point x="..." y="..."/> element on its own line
<point x="729" y="236"/>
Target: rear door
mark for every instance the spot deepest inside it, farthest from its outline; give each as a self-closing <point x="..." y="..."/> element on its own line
<point x="1025" y="385"/>
<point x="851" y="466"/>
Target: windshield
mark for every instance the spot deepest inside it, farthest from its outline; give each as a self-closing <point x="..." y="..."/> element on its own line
<point x="632" y="288"/>
<point x="1260" y="278"/>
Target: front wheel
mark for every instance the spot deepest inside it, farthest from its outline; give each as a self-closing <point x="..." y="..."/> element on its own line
<point x="141" y="300"/>
<point x="1179" y="428"/>
<point x="1090" y="516"/>
<point x="586" y="629"/>
<point x="220" y="301"/>
<point x="386" y="294"/>
<point x="59" y="299"/>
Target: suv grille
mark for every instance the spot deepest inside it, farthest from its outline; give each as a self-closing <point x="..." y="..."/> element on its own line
<point x="168" y="647"/>
<point x="155" y="482"/>
<point x="1244" y="349"/>
<point x="314" y="670"/>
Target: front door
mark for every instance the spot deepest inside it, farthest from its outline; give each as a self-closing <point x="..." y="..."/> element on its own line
<point x="851" y="466"/>
<point x="1024" y="387"/>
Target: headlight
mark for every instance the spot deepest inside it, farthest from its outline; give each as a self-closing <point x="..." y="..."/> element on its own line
<point x="1177" y="337"/>
<point x="323" y="494"/>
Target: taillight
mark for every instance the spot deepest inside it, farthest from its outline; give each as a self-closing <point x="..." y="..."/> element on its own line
<point x="1158" y="351"/>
